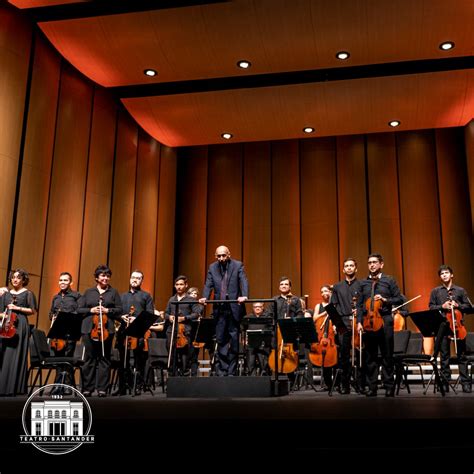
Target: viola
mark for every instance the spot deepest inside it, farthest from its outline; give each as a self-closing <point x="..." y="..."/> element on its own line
<point x="324" y="352"/>
<point x="373" y="320"/>
<point x="181" y="339"/>
<point x="8" y="322"/>
<point x="99" y="323"/>
<point x="287" y="356"/>
<point x="455" y="320"/>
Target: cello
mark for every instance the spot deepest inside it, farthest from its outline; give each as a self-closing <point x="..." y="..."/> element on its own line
<point x="287" y="356"/>
<point x="324" y="352"/>
<point x="456" y="323"/>
<point x="8" y="322"/>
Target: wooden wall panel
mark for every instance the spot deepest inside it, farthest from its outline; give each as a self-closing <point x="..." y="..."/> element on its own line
<point x="469" y="146"/>
<point x="15" y="41"/>
<point x="95" y="232"/>
<point x="286" y="235"/>
<point x="454" y="205"/>
<point x="419" y="207"/>
<point x="68" y="183"/>
<point x="385" y="235"/>
<point x="146" y="209"/>
<point x="257" y="218"/>
<point x="224" y="201"/>
<point x="37" y="161"/>
<point x="123" y="202"/>
<point x="166" y="227"/>
<point x="191" y="215"/>
<point x="352" y="201"/>
<point x="319" y="237"/>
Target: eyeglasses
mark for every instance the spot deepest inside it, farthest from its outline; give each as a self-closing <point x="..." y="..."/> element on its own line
<point x="221" y="255"/>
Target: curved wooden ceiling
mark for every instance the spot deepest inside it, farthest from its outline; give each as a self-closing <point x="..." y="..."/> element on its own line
<point x="203" y="43"/>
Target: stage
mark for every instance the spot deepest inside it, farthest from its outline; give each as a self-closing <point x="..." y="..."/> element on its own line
<point x="305" y="427"/>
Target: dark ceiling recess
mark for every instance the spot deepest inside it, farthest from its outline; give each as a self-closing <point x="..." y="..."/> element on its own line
<point x="73" y="11"/>
<point x="295" y="77"/>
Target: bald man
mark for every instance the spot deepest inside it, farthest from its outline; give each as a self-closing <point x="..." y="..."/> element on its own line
<point x="226" y="278"/>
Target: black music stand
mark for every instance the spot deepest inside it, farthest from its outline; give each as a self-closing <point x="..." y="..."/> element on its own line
<point x="137" y="328"/>
<point x="299" y="331"/>
<point x="66" y="326"/>
<point x="431" y="323"/>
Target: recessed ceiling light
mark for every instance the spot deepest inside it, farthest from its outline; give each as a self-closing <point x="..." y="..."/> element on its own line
<point x="308" y="130"/>
<point x="446" y="46"/>
<point x="227" y="136"/>
<point x="244" y="64"/>
<point x="343" y="55"/>
<point x="150" y="72"/>
<point x="394" y="123"/>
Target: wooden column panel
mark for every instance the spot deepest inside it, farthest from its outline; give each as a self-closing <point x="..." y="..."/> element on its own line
<point x="286" y="232"/>
<point x="15" y="42"/>
<point x="385" y="234"/>
<point x="257" y="218"/>
<point x="224" y="200"/>
<point x="166" y="225"/>
<point x="352" y="201"/>
<point x="319" y="236"/>
<point x="95" y="231"/>
<point x="420" y="220"/>
<point x="68" y="184"/>
<point x="191" y="215"/>
<point x="146" y="209"/>
<point x="469" y="145"/>
<point x="454" y="205"/>
<point x="123" y="202"/>
<point x="37" y="160"/>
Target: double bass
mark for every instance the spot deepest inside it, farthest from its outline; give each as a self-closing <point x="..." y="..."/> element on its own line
<point x="8" y="322"/>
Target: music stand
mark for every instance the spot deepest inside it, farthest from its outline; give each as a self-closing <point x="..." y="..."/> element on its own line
<point x="297" y="331"/>
<point x="66" y="326"/>
<point x="430" y="323"/>
<point x="137" y="328"/>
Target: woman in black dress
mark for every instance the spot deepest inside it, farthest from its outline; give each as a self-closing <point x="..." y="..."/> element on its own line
<point x="14" y="350"/>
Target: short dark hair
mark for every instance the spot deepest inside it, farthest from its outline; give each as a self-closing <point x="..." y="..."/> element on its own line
<point x="181" y="277"/>
<point x="444" y="267"/>
<point x="283" y="278"/>
<point x="377" y="256"/>
<point x="329" y="287"/>
<point x="349" y="259"/>
<point x="138" y="271"/>
<point x="25" y="277"/>
<point x="67" y="274"/>
<point x="102" y="269"/>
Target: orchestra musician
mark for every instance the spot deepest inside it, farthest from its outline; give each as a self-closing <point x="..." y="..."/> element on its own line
<point x="14" y="350"/>
<point x="66" y="300"/>
<point x="227" y="279"/>
<point x="443" y="298"/>
<point x="134" y="302"/>
<point x="288" y="305"/>
<point x="104" y="300"/>
<point x="189" y="310"/>
<point x="344" y="297"/>
<point x="378" y="293"/>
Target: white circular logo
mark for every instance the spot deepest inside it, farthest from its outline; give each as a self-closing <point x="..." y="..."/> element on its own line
<point x="57" y="422"/>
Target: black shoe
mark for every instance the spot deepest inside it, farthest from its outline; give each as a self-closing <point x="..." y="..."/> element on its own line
<point x="466" y="388"/>
<point x="102" y="394"/>
<point x="446" y="387"/>
<point x="118" y="392"/>
<point x="389" y="392"/>
<point x="345" y="391"/>
<point x="86" y="393"/>
<point x="371" y="393"/>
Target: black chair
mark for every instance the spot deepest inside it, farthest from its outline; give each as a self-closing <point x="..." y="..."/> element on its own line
<point x="468" y="357"/>
<point x="157" y="360"/>
<point x="43" y="360"/>
<point x="401" y="340"/>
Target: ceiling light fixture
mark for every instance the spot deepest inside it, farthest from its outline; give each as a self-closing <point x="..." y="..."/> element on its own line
<point x="343" y="55"/>
<point x="227" y="136"/>
<point x="244" y="64"/>
<point x="308" y="130"/>
<point x="150" y="72"/>
<point x="394" y="123"/>
<point x="446" y="45"/>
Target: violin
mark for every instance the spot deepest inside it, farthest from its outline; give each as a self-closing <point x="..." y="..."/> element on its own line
<point x="181" y="339"/>
<point x="99" y="322"/>
<point x="287" y="356"/>
<point x="324" y="352"/>
<point x="8" y="322"/>
<point x="373" y="320"/>
<point x="456" y="323"/>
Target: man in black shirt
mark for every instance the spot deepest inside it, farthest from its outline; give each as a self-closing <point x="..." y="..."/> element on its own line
<point x="344" y="297"/>
<point x="288" y="305"/>
<point x="443" y="298"/>
<point x="188" y="310"/>
<point x="134" y="302"/>
<point x="105" y="300"/>
<point x="379" y="288"/>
